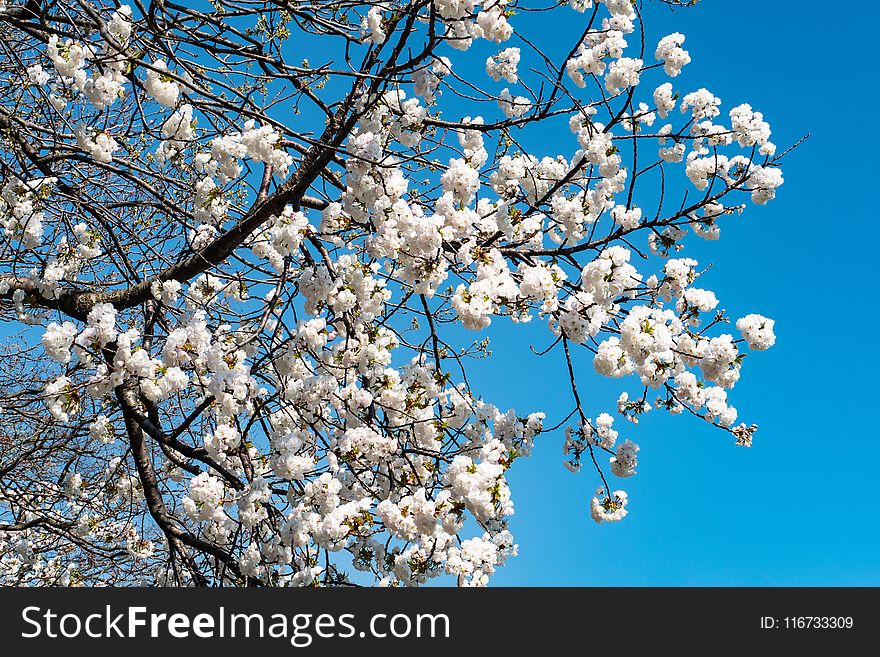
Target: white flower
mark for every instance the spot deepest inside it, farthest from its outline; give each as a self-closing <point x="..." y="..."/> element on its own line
<point x="62" y="399"/>
<point x="119" y="26"/>
<point x="177" y="132"/>
<point x="69" y="58"/>
<point x="670" y="52"/>
<point x="591" y="56"/>
<point x="696" y="299"/>
<point x="609" y="508"/>
<point x="513" y="107"/>
<point x="664" y="98"/>
<point x="454" y="9"/>
<point x="102" y="430"/>
<point x="261" y="145"/>
<point x="624" y="463"/>
<point x="461" y="179"/>
<point x="96" y="143"/>
<point x="703" y="104"/>
<point x="751" y="128"/>
<point x="626" y="219"/>
<point x="503" y="65"/>
<point x="368" y="444"/>
<point x="480" y="486"/>
<point x="160" y="85"/>
<point x="371" y="26"/>
<point x="58" y="339"/>
<point x="225" y="438"/>
<point x="757" y="331"/>
<point x="623" y="73"/>
<point x="427" y="79"/>
<point x="138" y="546"/>
<point x="37" y="75"/>
<point x="101" y="322"/>
<point x="492" y="22"/>
<point x="611" y="360"/>
<point x="73" y="482"/>
<point x="606" y="435"/>
<point x="204" y="502"/>
<point x="166" y="291"/>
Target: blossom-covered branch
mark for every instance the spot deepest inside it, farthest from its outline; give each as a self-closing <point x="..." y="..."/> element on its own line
<point x="238" y="241"/>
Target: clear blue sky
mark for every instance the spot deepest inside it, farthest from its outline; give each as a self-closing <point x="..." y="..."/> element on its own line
<point x="801" y="506"/>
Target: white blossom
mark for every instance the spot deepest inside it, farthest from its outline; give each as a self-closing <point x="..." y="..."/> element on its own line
<point x="757" y="331"/>
<point x="673" y="56"/>
<point x="503" y="65"/>
<point x="160" y="84"/>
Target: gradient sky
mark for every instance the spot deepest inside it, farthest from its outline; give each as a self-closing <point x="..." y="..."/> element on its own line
<point x="800" y="506"/>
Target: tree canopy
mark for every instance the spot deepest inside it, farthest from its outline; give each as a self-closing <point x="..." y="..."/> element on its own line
<point x="251" y="248"/>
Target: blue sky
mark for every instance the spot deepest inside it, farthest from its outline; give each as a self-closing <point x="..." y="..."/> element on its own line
<point x="799" y="507"/>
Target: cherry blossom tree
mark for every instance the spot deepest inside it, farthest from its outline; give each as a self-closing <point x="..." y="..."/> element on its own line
<point x="242" y="241"/>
